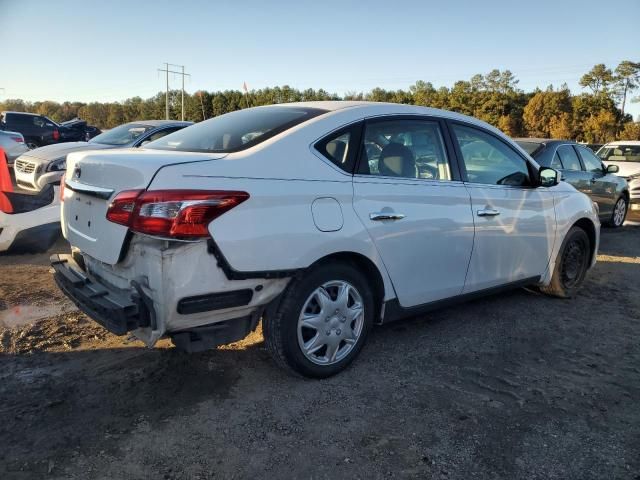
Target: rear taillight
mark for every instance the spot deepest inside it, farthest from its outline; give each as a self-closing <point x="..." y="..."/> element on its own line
<point x="56" y="134"/>
<point x="180" y="214"/>
<point x="18" y="139"/>
<point x="122" y="206"/>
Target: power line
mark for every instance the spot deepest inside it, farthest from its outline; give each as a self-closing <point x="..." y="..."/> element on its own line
<point x="167" y="71"/>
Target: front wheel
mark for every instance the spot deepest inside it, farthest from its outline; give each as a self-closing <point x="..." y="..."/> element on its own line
<point x="322" y="322"/>
<point x="571" y="265"/>
<point x="619" y="213"/>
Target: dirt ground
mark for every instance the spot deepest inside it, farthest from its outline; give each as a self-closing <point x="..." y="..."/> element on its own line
<point x="513" y="386"/>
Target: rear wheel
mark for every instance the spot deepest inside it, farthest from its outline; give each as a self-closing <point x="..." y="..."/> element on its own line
<point x="322" y="322"/>
<point x="571" y="265"/>
<point x="619" y="213"/>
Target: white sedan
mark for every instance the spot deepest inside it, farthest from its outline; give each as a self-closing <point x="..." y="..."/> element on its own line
<point x="321" y="219"/>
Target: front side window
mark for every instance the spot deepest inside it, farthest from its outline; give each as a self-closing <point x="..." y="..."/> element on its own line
<point x="569" y="158"/>
<point x="556" y="162"/>
<point x="237" y="130"/>
<point x="122" y="135"/>
<point x="405" y="149"/>
<point x="591" y="162"/>
<point x="488" y="160"/>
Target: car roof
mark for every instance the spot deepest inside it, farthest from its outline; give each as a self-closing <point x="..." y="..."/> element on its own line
<point x="22" y="113"/>
<point x="385" y="108"/>
<point x="622" y="142"/>
<point x="544" y="141"/>
<point x="159" y="123"/>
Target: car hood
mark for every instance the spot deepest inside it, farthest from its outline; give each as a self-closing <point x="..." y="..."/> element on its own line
<point x="57" y="150"/>
<point x="626" y="168"/>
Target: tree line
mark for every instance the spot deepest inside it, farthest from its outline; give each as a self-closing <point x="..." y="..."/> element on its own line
<point x="596" y="115"/>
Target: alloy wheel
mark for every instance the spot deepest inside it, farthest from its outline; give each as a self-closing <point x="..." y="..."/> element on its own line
<point x="619" y="212"/>
<point x="331" y="322"/>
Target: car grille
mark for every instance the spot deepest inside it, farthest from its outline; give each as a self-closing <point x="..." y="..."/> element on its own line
<point x="24" y="166"/>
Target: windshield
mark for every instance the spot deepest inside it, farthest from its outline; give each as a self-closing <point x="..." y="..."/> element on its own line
<point x="620" y="153"/>
<point x="529" y="147"/>
<point x="236" y="130"/>
<point x="122" y="135"/>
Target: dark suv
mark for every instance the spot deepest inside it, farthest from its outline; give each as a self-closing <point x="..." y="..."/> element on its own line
<point x="39" y="130"/>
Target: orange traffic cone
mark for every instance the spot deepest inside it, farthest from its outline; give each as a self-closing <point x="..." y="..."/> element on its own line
<point x="5" y="184"/>
<point x="5" y="178"/>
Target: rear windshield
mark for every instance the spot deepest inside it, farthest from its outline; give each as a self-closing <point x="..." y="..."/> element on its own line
<point x="529" y="147"/>
<point x="620" y="153"/>
<point x="236" y="130"/>
<point x="122" y="135"/>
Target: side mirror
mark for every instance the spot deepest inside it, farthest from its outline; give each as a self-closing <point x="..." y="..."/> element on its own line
<point x="548" y="177"/>
<point x="613" y="169"/>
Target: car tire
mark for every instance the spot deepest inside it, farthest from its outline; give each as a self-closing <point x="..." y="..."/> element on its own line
<point x="333" y="331"/>
<point x="619" y="213"/>
<point x="571" y="265"/>
<point x="32" y="145"/>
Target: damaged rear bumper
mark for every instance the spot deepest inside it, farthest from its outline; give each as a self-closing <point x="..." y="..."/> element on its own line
<point x="118" y="312"/>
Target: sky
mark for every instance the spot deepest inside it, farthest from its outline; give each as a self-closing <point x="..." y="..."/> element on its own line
<point x="111" y="50"/>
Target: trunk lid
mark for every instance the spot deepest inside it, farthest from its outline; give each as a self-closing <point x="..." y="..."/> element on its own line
<point x="93" y="178"/>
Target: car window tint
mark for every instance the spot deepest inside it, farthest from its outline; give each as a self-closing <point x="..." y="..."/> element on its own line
<point x="569" y="158"/>
<point x="237" y="130"/>
<point x="336" y="148"/>
<point x="556" y="162"/>
<point x="38" y="121"/>
<point x="405" y="149"/>
<point x="162" y="133"/>
<point x="591" y="162"/>
<point x="488" y="160"/>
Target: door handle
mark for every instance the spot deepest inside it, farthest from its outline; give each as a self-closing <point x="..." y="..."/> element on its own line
<point x="377" y="216"/>
<point x="488" y="212"/>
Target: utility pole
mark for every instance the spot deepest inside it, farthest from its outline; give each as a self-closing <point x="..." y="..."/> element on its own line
<point x="167" y="71"/>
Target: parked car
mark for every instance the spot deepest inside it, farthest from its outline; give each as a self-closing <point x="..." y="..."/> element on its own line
<point x="13" y="145"/>
<point x="39" y="130"/>
<point x="581" y="168"/>
<point x="45" y="165"/>
<point x="276" y="213"/>
<point x="33" y="222"/>
<point x="626" y="155"/>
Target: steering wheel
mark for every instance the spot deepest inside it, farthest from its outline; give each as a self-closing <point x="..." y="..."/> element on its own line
<point x="427" y="171"/>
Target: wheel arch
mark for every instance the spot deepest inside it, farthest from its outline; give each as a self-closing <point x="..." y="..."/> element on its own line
<point x="367" y="267"/>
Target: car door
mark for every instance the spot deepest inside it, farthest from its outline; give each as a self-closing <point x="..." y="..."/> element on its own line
<point x="408" y="193"/>
<point x="572" y="169"/>
<point x="603" y="185"/>
<point x="514" y="221"/>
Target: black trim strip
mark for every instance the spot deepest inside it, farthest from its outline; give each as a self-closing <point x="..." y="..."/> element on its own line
<point x="214" y="301"/>
<point x="232" y="274"/>
<point x="394" y="311"/>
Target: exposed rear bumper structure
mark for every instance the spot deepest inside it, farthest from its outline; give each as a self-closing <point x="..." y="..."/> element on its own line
<point x="118" y="312"/>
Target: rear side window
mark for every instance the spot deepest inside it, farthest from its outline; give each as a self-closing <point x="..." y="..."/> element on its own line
<point x="404" y="148"/>
<point x="569" y="158"/>
<point x="236" y="131"/>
